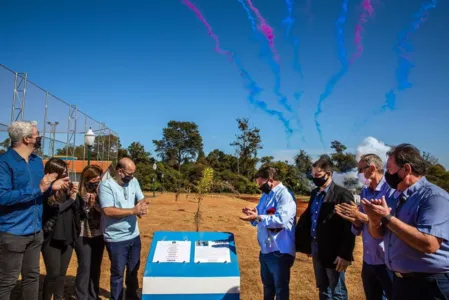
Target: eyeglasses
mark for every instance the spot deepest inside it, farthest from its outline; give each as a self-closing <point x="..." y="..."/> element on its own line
<point x="126" y="174"/>
<point x="362" y="168"/>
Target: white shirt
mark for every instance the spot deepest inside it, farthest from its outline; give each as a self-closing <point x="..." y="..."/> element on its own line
<point x="284" y="217"/>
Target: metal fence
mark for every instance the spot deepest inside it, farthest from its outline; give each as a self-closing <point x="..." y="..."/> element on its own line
<point x="62" y="125"/>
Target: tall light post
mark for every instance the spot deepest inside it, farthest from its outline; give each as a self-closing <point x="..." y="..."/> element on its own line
<point x="52" y="137"/>
<point x="89" y="139"/>
<point x="154" y="178"/>
<point x="162" y="176"/>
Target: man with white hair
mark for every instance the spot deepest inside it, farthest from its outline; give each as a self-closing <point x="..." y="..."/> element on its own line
<point x="23" y="187"/>
<point x="377" y="279"/>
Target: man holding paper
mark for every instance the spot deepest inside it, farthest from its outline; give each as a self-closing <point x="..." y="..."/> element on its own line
<point x="275" y="219"/>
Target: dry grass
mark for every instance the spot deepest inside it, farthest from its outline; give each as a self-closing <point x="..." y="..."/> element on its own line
<point x="220" y="213"/>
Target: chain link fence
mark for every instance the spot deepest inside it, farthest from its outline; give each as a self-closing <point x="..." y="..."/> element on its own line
<point x="62" y="125"/>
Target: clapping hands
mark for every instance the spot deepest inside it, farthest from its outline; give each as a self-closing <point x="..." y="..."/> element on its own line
<point x="250" y="214"/>
<point x="376" y="209"/>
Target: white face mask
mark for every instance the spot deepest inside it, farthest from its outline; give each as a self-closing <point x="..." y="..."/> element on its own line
<point x="363" y="180"/>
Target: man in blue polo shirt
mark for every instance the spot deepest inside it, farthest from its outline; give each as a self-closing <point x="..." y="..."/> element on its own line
<point x="23" y="187"/>
<point x="122" y="202"/>
<point x="415" y="229"/>
<point x="376" y="277"/>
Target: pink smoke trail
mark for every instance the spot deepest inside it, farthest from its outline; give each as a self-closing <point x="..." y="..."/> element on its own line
<point x="209" y="29"/>
<point x="266" y="29"/>
<point x="367" y="12"/>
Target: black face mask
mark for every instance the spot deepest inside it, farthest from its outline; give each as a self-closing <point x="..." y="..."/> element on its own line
<point x="127" y="179"/>
<point x="38" y="143"/>
<point x="320" y="181"/>
<point x="393" y="180"/>
<point x="92" y="186"/>
<point x="265" y="188"/>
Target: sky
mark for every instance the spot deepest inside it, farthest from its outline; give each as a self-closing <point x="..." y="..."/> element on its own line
<point x="136" y="65"/>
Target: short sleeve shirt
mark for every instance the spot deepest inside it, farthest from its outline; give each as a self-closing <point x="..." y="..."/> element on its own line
<point x="114" y="195"/>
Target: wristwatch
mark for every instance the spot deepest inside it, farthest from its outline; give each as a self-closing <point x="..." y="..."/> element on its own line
<point x="385" y="220"/>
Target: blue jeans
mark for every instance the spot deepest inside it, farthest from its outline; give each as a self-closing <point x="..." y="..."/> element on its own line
<point x="124" y="254"/>
<point x="377" y="282"/>
<point x="330" y="283"/>
<point x="275" y="272"/>
<point x="421" y="287"/>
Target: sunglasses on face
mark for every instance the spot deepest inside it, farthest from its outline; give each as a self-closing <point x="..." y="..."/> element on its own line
<point x="362" y="169"/>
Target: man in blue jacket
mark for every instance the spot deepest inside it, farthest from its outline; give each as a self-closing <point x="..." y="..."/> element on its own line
<point x="23" y="188"/>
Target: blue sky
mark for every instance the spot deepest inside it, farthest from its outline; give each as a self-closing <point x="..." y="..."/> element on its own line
<point x="138" y="64"/>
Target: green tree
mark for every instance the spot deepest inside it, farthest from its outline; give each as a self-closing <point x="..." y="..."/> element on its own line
<point x="181" y="142"/>
<point x="220" y="161"/>
<point x="138" y="154"/>
<point x="429" y="159"/>
<point x="438" y="175"/>
<point x="338" y="147"/>
<point x="106" y="147"/>
<point x="79" y="151"/>
<point x="303" y="162"/>
<point x="5" y="145"/>
<point x="343" y="161"/>
<point x="266" y="159"/>
<point x="246" y="145"/>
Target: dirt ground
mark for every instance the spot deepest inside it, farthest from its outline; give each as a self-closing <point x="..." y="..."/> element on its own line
<point x="220" y="213"/>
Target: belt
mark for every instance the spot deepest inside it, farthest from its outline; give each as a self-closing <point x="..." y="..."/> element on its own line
<point x="415" y="274"/>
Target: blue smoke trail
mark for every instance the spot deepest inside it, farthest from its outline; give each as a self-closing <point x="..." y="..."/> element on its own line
<point x="344" y="62"/>
<point x="266" y="52"/>
<point x="255" y="90"/>
<point x="289" y="20"/>
<point x="402" y="50"/>
<point x="288" y="23"/>
<point x="250" y="16"/>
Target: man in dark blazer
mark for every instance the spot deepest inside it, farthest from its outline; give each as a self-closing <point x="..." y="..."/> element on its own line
<point x="324" y="235"/>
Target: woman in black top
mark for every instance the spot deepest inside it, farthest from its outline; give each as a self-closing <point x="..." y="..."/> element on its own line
<point x="89" y="245"/>
<point x="59" y="232"/>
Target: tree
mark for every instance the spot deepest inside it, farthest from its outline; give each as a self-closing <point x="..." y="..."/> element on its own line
<point x="429" y="159"/>
<point x="246" y="145"/>
<point x="220" y="161"/>
<point x="138" y="154"/>
<point x="438" y="175"/>
<point x="338" y="147"/>
<point x="181" y="142"/>
<point x="79" y="151"/>
<point x="266" y="159"/>
<point x="106" y="147"/>
<point x="303" y="162"/>
<point x="5" y="145"/>
<point x="203" y="188"/>
<point x="344" y="162"/>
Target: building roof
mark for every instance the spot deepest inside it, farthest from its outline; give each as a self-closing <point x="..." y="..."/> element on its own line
<point x="78" y="165"/>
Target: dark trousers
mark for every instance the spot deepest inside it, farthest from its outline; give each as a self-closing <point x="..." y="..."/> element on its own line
<point x="20" y="254"/>
<point x="57" y="259"/>
<point x="275" y="272"/>
<point x="124" y="254"/>
<point x="429" y="287"/>
<point x="330" y="283"/>
<point x="377" y="282"/>
<point x="89" y="252"/>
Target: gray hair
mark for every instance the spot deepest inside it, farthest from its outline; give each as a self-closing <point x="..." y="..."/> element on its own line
<point x="19" y="130"/>
<point x="373" y="160"/>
